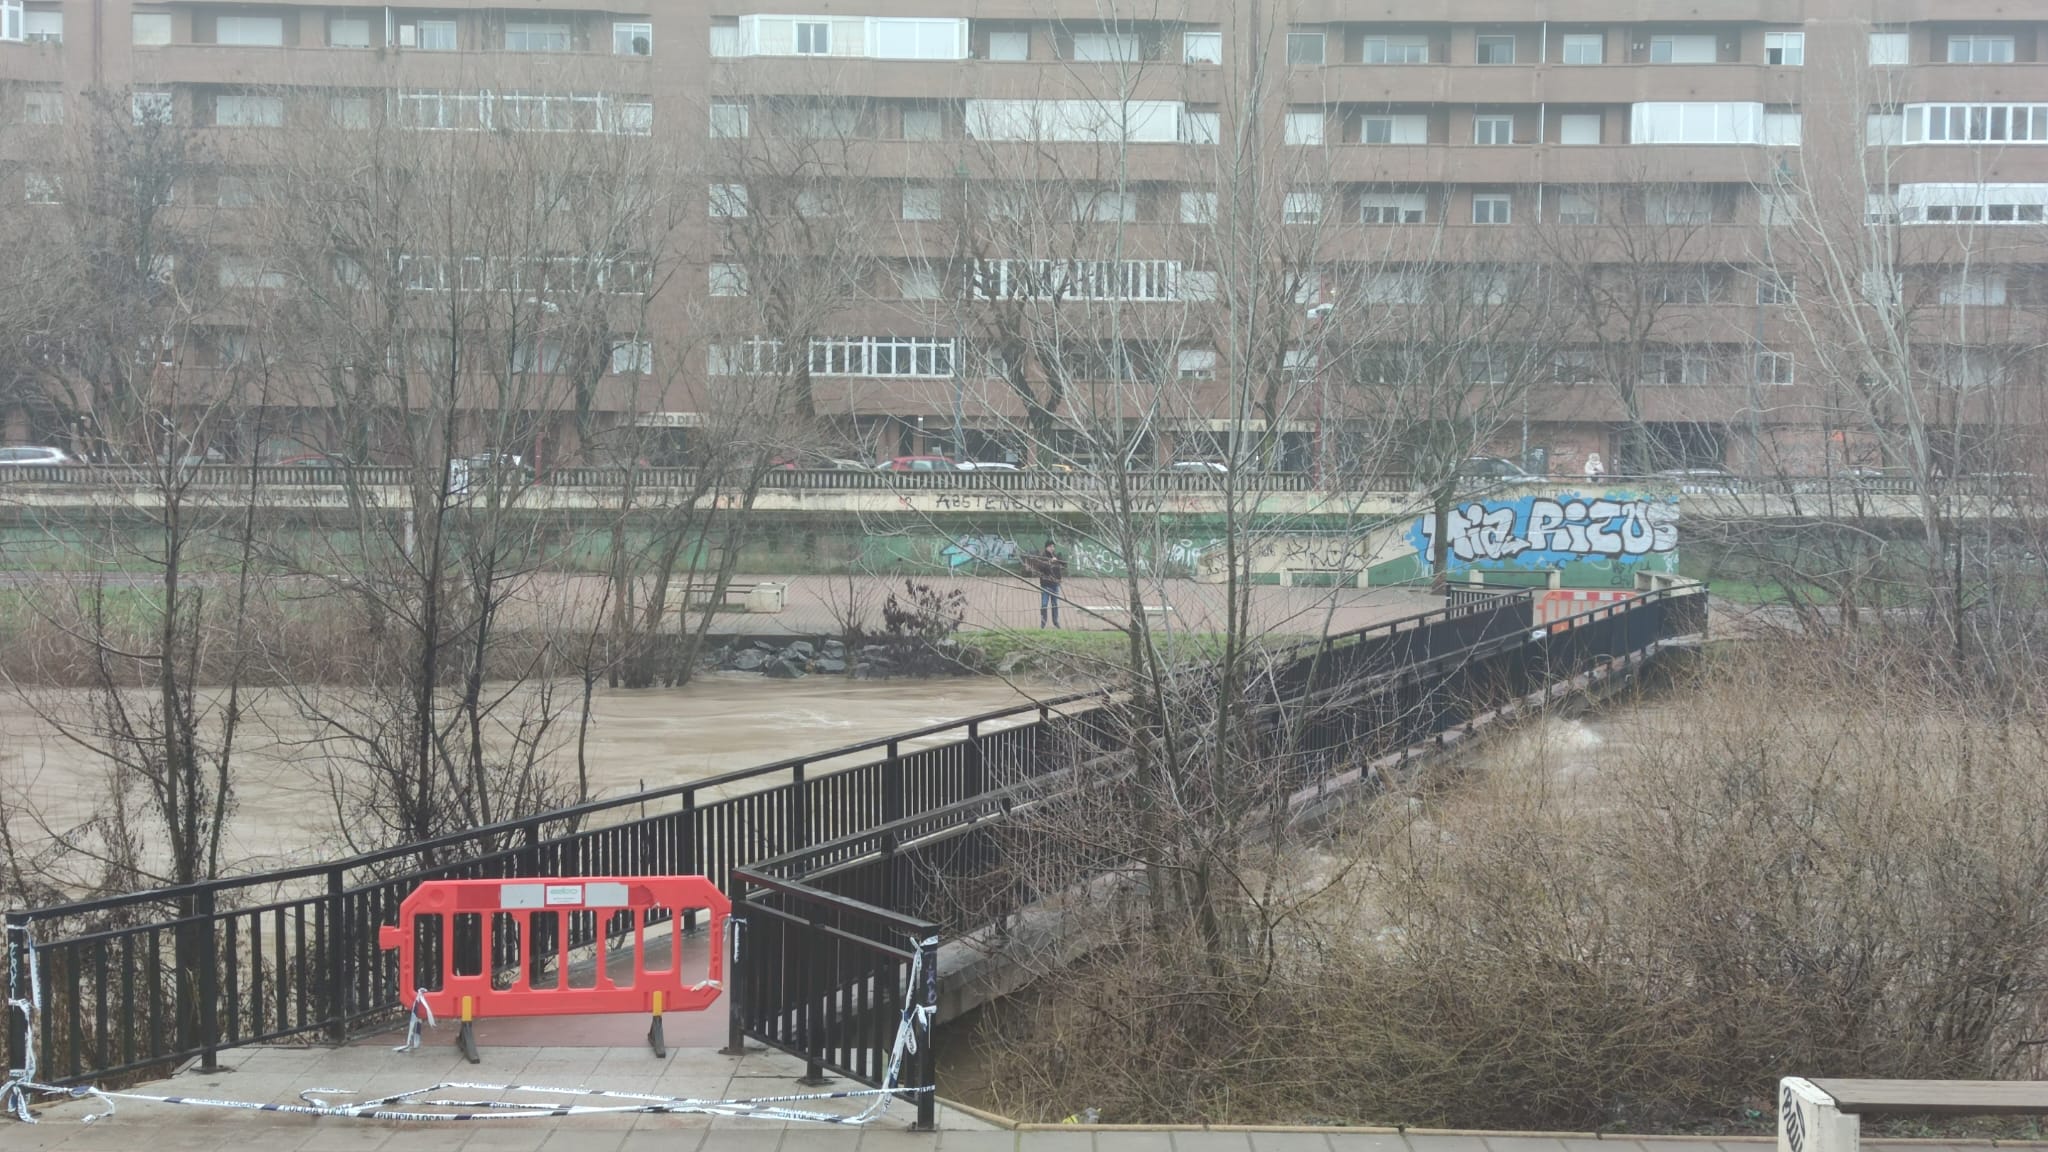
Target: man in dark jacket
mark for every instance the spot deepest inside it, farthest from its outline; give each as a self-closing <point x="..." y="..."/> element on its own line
<point x="1050" y="569"/>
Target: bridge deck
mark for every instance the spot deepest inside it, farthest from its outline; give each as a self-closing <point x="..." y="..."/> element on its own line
<point x="279" y="1074"/>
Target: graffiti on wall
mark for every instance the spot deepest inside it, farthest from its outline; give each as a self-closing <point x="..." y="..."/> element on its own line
<point x="966" y="551"/>
<point x="1610" y="530"/>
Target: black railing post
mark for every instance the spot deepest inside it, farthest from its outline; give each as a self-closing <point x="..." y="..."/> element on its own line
<point x="337" y="957"/>
<point x="927" y="995"/>
<point x="798" y="832"/>
<point x="735" y="982"/>
<point x="209" y="980"/>
<point x="686" y="852"/>
<point x="892" y="786"/>
<point x="971" y="783"/>
<point x="18" y="982"/>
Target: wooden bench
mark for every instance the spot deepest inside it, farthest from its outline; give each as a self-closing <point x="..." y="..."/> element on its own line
<point x="1825" y="1115"/>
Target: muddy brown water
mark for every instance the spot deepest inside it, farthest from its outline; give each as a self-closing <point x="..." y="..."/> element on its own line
<point x="638" y="738"/>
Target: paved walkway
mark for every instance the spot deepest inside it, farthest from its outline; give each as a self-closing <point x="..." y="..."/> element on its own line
<point x="277" y="1074"/>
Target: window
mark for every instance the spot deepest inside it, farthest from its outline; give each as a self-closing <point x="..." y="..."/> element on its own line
<point x="1786" y="48"/>
<point x="1397" y="50"/>
<point x="348" y="32"/>
<point x="1391" y="207"/>
<point x="1201" y="47"/>
<point x="1884" y="128"/>
<point x="1773" y="368"/>
<point x="827" y="121"/>
<point x="1106" y="206"/>
<point x="1494" y="50"/>
<point x="729" y="200"/>
<point x="231" y="191"/>
<point x="917" y="282"/>
<point x="1697" y="123"/>
<point x="10" y="20"/>
<point x="1302" y="208"/>
<point x="1009" y="45"/>
<point x="632" y="39"/>
<point x="1575" y="366"/>
<point x="1773" y="288"/>
<point x="435" y="36"/>
<point x="747" y="357"/>
<point x="1670" y="364"/>
<point x="881" y="356"/>
<point x="908" y="38"/>
<point x="42" y="106"/>
<point x="1492" y="208"/>
<point x="527" y="36"/>
<point x="1201" y="127"/>
<point x="1585" y="48"/>
<point x="1686" y="49"/>
<point x="633" y="118"/>
<point x="1493" y="129"/>
<point x="249" y="31"/>
<point x="813" y="38"/>
<point x="1971" y="123"/>
<point x="1198" y="207"/>
<point x="151" y="107"/>
<point x="1105" y="47"/>
<point x="1487" y="366"/>
<point x="1782" y="127"/>
<point x="1685" y="286"/>
<point x="1980" y="49"/>
<point x="1889" y="49"/>
<point x="923" y="124"/>
<point x="1972" y="203"/>
<point x="149" y="29"/>
<point x="1405" y="129"/>
<point x="248" y="272"/>
<point x="43" y="25"/>
<point x="728" y="279"/>
<point x="1578" y="128"/>
<point x="725" y="40"/>
<point x="1577" y="208"/>
<point x="1298" y="363"/>
<point x="242" y="110"/>
<point x="818" y="203"/>
<point x="1196" y="363"/>
<point x="1778" y="209"/>
<point x="40" y="188"/>
<point x="1305" y="48"/>
<point x="728" y="121"/>
<point x="922" y="202"/>
<point x="632" y="357"/>
<point x="1678" y="205"/>
<point x="1979" y="287"/>
<point x="1304" y="126"/>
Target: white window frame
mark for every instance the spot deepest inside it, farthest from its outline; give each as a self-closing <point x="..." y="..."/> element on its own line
<point x="539" y="36"/>
<point x="1481" y="43"/>
<point x="1884" y="129"/>
<point x="1201" y="45"/>
<point x="1775" y="368"/>
<point x="446" y="37"/>
<point x="1195" y="363"/>
<point x="1695" y="365"/>
<point x="1009" y="44"/>
<point x="1105" y="47"/>
<point x="250" y="110"/>
<point x="1980" y="48"/>
<point x="11" y="20"/>
<point x="730" y="121"/>
<point x="153" y="107"/>
<point x="632" y="357"/>
<point x="1395" y="50"/>
<point x="917" y="281"/>
<point x="41" y="188"/>
<point x="147" y="29"/>
<point x="249" y="31"/>
<point x="1790" y="46"/>
<point x="726" y="41"/>
<point x="931" y="123"/>
<point x="1576" y="45"/>
<point x="728" y="201"/>
<point x="1577" y="208"/>
<point x="1890" y="49"/>
<point x="625" y="32"/>
<point x="1572" y="128"/>
<point x="1500" y="208"/>
<point x="1305" y="127"/>
<point x="811" y="38"/>
<point x="1951" y="123"/>
<point x="339" y="29"/>
<point x="1402" y="128"/>
<point x="1685" y="48"/>
<point x="727" y="278"/>
<point x="1782" y="127"/>
<point x="1204" y="126"/>
<point x="1306" y="37"/>
<point x="1696" y="122"/>
<point x="42" y="25"/>
<point x="1487" y="129"/>
<point x="899" y="357"/>
<point x="42" y="106"/>
<point x="1774" y="290"/>
<point x="1301" y="208"/>
<point x="1197" y="206"/>
<point x="1679" y="204"/>
<point x="922" y="202"/>
<point x="1392" y="208"/>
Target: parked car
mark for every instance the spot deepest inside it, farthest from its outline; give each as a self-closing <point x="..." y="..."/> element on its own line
<point x="987" y="466"/>
<point x="195" y="459"/>
<point x="34" y="456"/>
<point x="916" y="464"/>
<point x="810" y="463"/>
<point x="1703" y="481"/>
<point x="316" y="460"/>
<point x="1216" y="466"/>
<point x="486" y="468"/>
<point x="1492" y="468"/>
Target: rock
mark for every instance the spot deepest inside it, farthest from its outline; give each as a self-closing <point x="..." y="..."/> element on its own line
<point x="749" y="660"/>
<point x="764" y="645"/>
<point x="863" y="671"/>
<point x="783" y="670"/>
<point x="801" y="648"/>
<point x="835" y="650"/>
<point x="1012" y="661"/>
<point x="829" y="664"/>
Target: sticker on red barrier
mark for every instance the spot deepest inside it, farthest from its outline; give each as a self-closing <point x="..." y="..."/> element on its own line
<point x="473" y="949"/>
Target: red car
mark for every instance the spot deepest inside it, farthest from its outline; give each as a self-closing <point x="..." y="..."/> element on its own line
<point x="916" y="464"/>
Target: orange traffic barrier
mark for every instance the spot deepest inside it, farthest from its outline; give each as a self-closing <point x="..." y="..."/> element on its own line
<point x="472" y="949"/>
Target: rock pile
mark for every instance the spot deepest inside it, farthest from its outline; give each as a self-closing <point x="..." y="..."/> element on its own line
<point x="875" y="661"/>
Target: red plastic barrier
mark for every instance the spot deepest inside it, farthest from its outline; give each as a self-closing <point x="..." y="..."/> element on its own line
<point x="1564" y="603"/>
<point x="468" y="913"/>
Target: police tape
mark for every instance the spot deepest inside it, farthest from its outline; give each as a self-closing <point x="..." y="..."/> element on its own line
<point x="22" y="1086"/>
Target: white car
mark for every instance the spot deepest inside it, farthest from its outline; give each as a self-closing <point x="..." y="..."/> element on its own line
<point x="33" y="456"/>
<point x="1199" y="466"/>
<point x="987" y="466"/>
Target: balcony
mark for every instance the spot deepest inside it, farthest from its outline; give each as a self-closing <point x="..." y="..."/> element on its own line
<point x="32" y="62"/>
<point x="373" y="68"/>
<point x="958" y="79"/>
<point x="1975" y="83"/>
<point x="1656" y="163"/>
<point x="1537" y="11"/>
<point x="1632" y="83"/>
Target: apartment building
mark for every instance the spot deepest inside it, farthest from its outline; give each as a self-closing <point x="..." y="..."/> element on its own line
<point x="1395" y="132"/>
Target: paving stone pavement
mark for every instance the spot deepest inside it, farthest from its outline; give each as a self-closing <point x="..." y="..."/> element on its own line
<point x="278" y="1074"/>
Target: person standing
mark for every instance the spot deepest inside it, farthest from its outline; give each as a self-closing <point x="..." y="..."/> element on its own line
<point x="1050" y="568"/>
<point x="1594" y="468"/>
